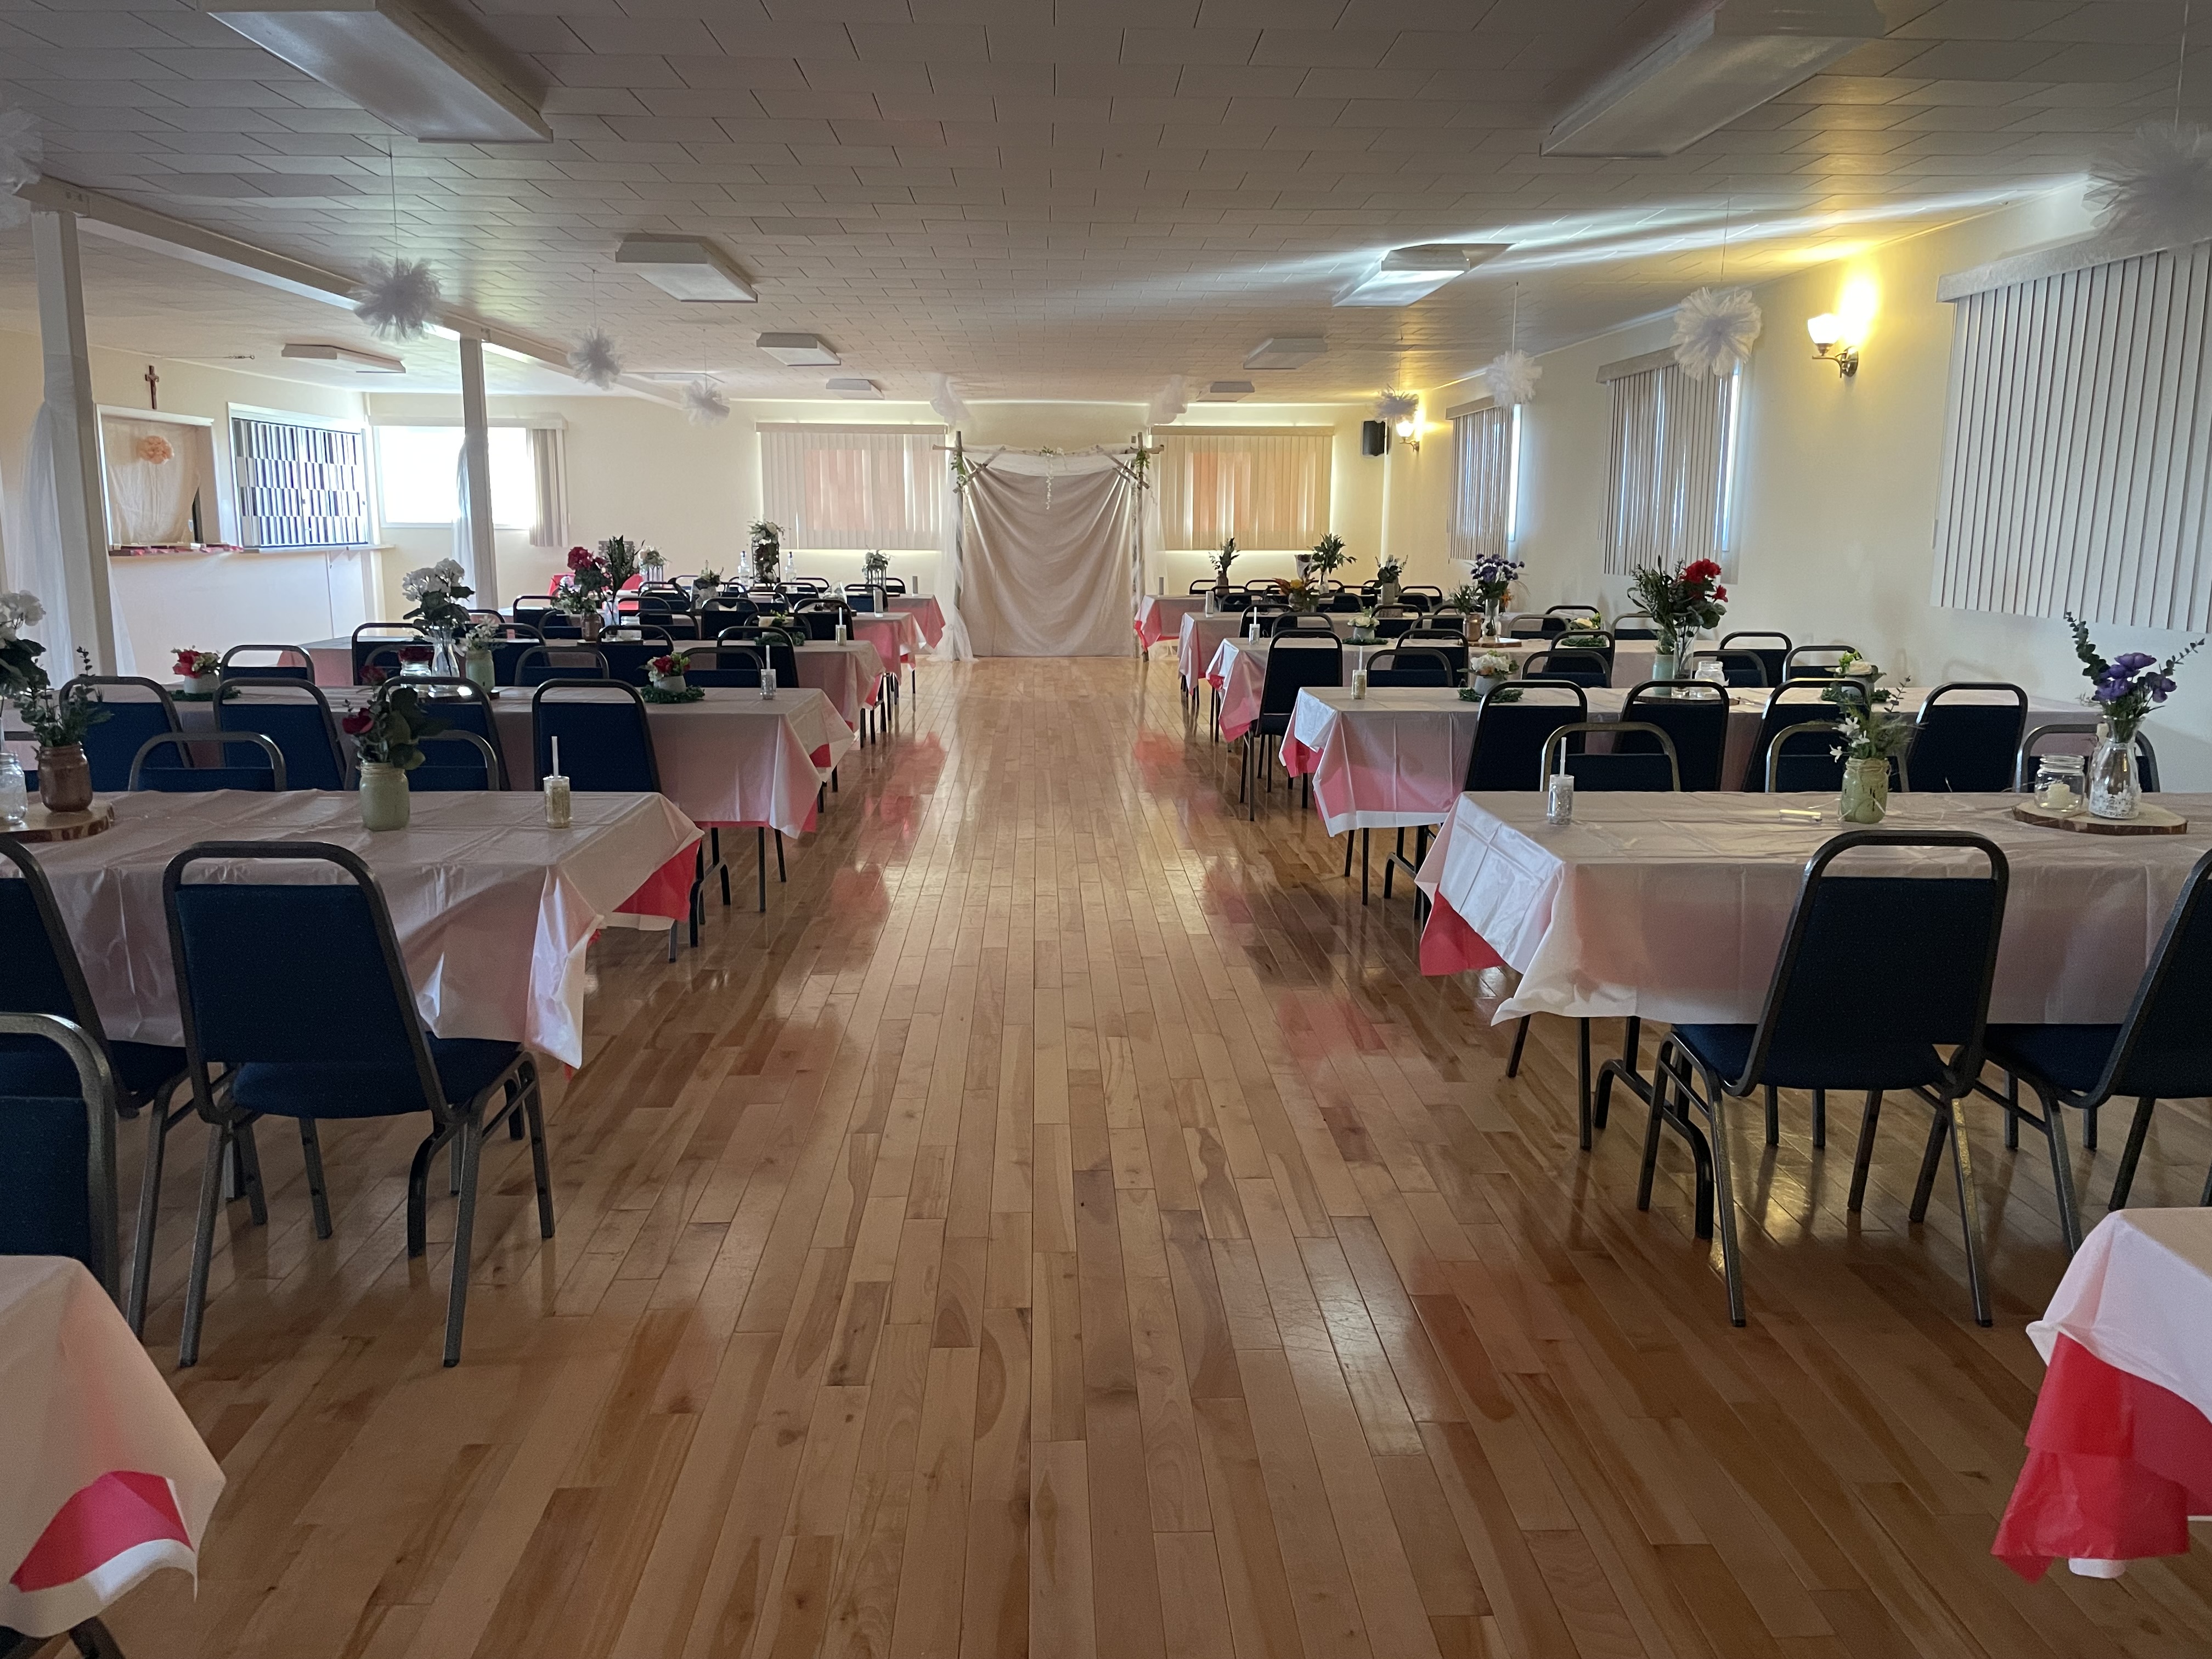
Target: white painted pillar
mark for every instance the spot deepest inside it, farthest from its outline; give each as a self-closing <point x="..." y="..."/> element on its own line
<point x="78" y="491"/>
<point x="476" y="458"/>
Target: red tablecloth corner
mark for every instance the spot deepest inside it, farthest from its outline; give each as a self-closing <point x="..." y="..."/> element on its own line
<point x="1448" y="945"/>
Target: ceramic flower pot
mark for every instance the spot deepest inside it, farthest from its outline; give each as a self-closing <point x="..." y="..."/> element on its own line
<point x="1866" y="790"/>
<point x="201" y="685"/>
<point x="384" y="802"/>
<point x="482" y="670"/>
<point x="64" y="778"/>
<point x="668" y="682"/>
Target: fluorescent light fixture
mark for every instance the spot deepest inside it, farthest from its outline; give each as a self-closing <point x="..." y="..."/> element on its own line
<point x="1723" y="61"/>
<point x="1286" y="352"/>
<point x="400" y="64"/>
<point x="687" y="268"/>
<point x="1408" y="274"/>
<point x="848" y="388"/>
<point x="365" y="363"/>
<point x="798" y="350"/>
<point x="1225" y="392"/>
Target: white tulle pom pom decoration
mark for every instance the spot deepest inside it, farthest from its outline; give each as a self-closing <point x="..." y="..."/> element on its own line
<point x="2155" y="185"/>
<point x="704" y="404"/>
<point x="21" y="150"/>
<point x="594" y="361"/>
<point x="396" y="298"/>
<point x="1396" y="405"/>
<point x="1715" y="331"/>
<point x="1169" y="401"/>
<point x="1511" y="377"/>
<point x="946" y="401"/>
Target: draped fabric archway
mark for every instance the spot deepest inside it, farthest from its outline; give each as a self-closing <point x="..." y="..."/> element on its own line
<point x="1049" y="551"/>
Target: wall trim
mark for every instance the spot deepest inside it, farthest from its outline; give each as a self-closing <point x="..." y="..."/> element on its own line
<point x="1640" y="365"/>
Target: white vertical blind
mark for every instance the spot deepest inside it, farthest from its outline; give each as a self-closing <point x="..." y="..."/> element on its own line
<point x="853" y="487"/>
<point x="2078" y="445"/>
<point x="1267" y="488"/>
<point x="1480" y="523"/>
<point x="1667" y="483"/>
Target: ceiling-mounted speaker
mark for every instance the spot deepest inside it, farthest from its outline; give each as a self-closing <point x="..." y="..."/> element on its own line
<point x="1374" y="438"/>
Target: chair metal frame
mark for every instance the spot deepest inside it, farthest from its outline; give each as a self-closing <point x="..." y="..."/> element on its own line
<point x="1789" y="670"/>
<point x="1395" y="654"/>
<point x="1934" y="697"/>
<point x="186" y="739"/>
<point x="1723" y="658"/>
<point x="271" y="670"/>
<point x="160" y="698"/>
<point x="1256" y="740"/>
<point x="495" y="765"/>
<point x="545" y="649"/>
<point x="228" y="691"/>
<point x="1681" y="694"/>
<point x="1607" y="728"/>
<point x="1772" y="673"/>
<point x="411" y="633"/>
<point x="1541" y="665"/>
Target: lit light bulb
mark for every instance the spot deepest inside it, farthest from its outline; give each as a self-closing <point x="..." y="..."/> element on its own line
<point x="1826" y="329"/>
<point x="1405" y="427"/>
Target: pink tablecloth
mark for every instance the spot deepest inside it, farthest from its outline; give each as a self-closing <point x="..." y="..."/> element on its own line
<point x="1159" y="616"/>
<point x="928" y="615"/>
<point x="492" y="909"/>
<point x="1674" y="906"/>
<point x="850" y="675"/>
<point x="102" y="1477"/>
<point x="895" y="634"/>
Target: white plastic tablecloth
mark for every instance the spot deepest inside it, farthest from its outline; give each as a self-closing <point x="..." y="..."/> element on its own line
<point x="1674" y="906"/>
<point x="850" y="675"/>
<point x="1159" y="616"/>
<point x="2138" y="1295"/>
<point x="897" y="635"/>
<point x="492" y="909"/>
<point x="928" y="615"/>
<point x="90" y="1437"/>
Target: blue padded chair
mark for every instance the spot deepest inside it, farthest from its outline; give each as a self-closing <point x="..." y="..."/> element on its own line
<point x="627" y="659"/>
<point x="539" y="664"/>
<point x="57" y="1146"/>
<point x="1742" y="669"/>
<point x="457" y="762"/>
<point x="1772" y="649"/>
<point x="466" y="708"/>
<point x="164" y="764"/>
<point x="1451" y="643"/>
<point x="112" y="744"/>
<point x="40" y="974"/>
<point x="1636" y="625"/>
<point x="1516" y="723"/>
<point x="1584" y="668"/>
<point x="299" y="991"/>
<point x="1559" y="618"/>
<point x="859" y="597"/>
<point x="1593" y="639"/>
<point x="293" y="663"/>
<point x="1877" y="974"/>
<point x="779" y="649"/>
<point x="1694" y="715"/>
<point x="297" y="718"/>
<point x="375" y="647"/>
<point x="1410" y="666"/>
<point x="1962" y="745"/>
<point x="2162" y="1050"/>
<point x="724" y="614"/>
<point x="1812" y="662"/>
<point x="1295" y="660"/>
<point x="1803" y="762"/>
<point x="734" y="664"/>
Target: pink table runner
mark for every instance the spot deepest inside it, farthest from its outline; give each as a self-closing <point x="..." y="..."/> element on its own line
<point x="928" y="615"/>
<point x="850" y="675"/>
<point x="102" y="1477"/>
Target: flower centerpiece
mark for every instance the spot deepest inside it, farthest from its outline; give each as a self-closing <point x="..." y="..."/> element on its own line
<point x="18" y="653"/>
<point x="478" y="662"/>
<point x="764" y="539"/>
<point x="58" y="717"/>
<point x="1363" y="627"/>
<point x="668" y="671"/>
<point x="1875" y="731"/>
<point x="706" y="587"/>
<point x="875" y="565"/>
<point x="1492" y="580"/>
<point x="1679" y="603"/>
<point x="625" y="558"/>
<point x="438" y="589"/>
<point x="387" y="738"/>
<point x="650" y="565"/>
<point x="1222" y="558"/>
<point x="1390" y="569"/>
<point x="585" y="591"/>
<point x="1303" y="594"/>
<point x="2127" y="690"/>
<point x="1326" y="558"/>
<point x="200" y="671"/>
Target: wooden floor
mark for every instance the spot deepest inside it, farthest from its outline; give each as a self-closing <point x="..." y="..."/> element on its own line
<point x="1067" y="1224"/>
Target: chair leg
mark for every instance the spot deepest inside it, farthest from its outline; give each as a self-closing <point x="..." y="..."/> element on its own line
<point x="1931" y="1161"/>
<point x="218" y="1149"/>
<point x="2012" y="1112"/>
<point x="1869" y="1120"/>
<point x="1348" y="838"/>
<point x="778" y="834"/>
<point x="533" y="1112"/>
<point x="468" y="1137"/>
<point x="311" y="1153"/>
<point x="1970" y="1220"/>
<point x="418" y="1197"/>
<point x="1654" y="1125"/>
<point x="1724" y="1200"/>
<point x="158" y="1122"/>
<point x="92" y="1640"/>
<point x="715" y="837"/>
<point x="1520" y="1042"/>
<point x="2061" y="1174"/>
<point x="2089" y="1128"/>
<point x="1583" y="1082"/>
<point x="1631" y="1044"/>
<point x="249" y="1165"/>
<point x="1366" y="864"/>
<point x="2131" y="1153"/>
<point x="1819" y="1119"/>
<point x="1773" y="1115"/>
<point x="759" y="865"/>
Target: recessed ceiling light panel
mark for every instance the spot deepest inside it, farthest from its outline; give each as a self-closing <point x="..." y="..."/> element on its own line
<point x="687" y="268"/>
<point x="397" y="62"/>
<point x="1225" y="391"/>
<point x="798" y="350"/>
<point x="1286" y="351"/>
<point x="848" y="388"/>
<point x="1408" y="274"/>
<point x="366" y="363"/>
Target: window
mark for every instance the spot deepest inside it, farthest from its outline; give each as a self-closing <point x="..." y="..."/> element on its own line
<point x="1485" y="467"/>
<point x="853" y="487"/>
<point x="418" y="476"/>
<point x="299" y="483"/>
<point x="1267" y="488"/>
<point x="1667" y="500"/>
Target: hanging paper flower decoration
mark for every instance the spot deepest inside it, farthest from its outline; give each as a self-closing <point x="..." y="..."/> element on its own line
<point x="155" y="447"/>
<point x="594" y="361"/>
<point x="1715" y="331"/>
<point x="1396" y="405"/>
<point x="2156" y="184"/>
<point x="21" y="151"/>
<point x="704" y="404"/>
<point x="1169" y="401"/>
<point x="1511" y="377"/>
<point x="396" y="298"/>
<point x="946" y="401"/>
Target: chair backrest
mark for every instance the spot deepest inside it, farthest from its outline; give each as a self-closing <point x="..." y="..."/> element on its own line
<point x="1529" y="628"/>
<point x="1559" y="618"/>
<point x="1295" y="660"/>
<point x="297" y="718"/>
<point x="2165" y="1046"/>
<point x="892" y="585"/>
<point x="820" y="620"/>
<point x="1875" y="969"/>
<point x="627" y="661"/>
<point x="369" y="635"/>
<point x="59" y="1155"/>
<point x="463" y="704"/>
<point x="1235" y="598"/>
<point x="1966" y="738"/>
<point x="1651" y="770"/>
<point x="110" y="744"/>
<point x="1583" y="667"/>
<point x="859" y="596"/>
<point x="1509" y="737"/>
<point x="1200" y="585"/>
<point x="726" y="664"/>
<point x="1745" y="669"/>
<point x="1804" y="759"/>
<point x="448" y="773"/>
<point x="1789" y="705"/>
<point x="164" y="764"/>
<point x="2080" y="738"/>
<point x="1635" y="625"/>
<point x="289" y="972"/>
<point x="1292" y="621"/>
<point x="1812" y="662"/>
<point x="1695" y="718"/>
<point x="1416" y="665"/>
<point x="773" y="643"/>
<point x="1772" y="649"/>
<point x="1450" y="643"/>
<point x="1263" y="585"/>
<point x="293" y="663"/>
<point x="606" y="745"/>
<point x="540" y="663"/>
<point x="39" y="973"/>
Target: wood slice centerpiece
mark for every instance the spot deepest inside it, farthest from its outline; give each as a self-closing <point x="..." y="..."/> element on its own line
<point x="45" y="825"/>
<point x="2148" y="820"/>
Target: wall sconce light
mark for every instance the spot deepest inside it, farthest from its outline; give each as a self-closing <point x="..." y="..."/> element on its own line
<point x="1409" y="432"/>
<point x="1827" y="331"/>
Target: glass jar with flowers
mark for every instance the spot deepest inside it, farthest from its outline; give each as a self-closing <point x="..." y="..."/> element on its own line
<point x="1875" y="732"/>
<point x="387" y="738"/>
<point x="1390" y="571"/>
<point x="477" y="661"/>
<point x="1681" y="604"/>
<point x="438" y="590"/>
<point x="585" y="592"/>
<point x="2127" y="690"/>
<point x="197" y="672"/>
<point x="1492" y="580"/>
<point x="764" y="541"/>
<point x="58" y="718"/>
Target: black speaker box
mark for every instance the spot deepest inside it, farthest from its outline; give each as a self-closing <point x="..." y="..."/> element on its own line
<point x="1373" y="437"/>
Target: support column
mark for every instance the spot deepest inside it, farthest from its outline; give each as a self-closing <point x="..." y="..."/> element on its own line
<point x="476" y="457"/>
<point x="75" y="419"/>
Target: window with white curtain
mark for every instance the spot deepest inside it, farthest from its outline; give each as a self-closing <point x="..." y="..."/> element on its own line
<point x="417" y="475"/>
<point x="1673" y="448"/>
<point x="1269" y="487"/>
<point x="853" y="487"/>
<point x="1486" y="462"/>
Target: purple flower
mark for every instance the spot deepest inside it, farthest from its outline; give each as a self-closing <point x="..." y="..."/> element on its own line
<point x="2128" y="661"/>
<point x="2110" y="691"/>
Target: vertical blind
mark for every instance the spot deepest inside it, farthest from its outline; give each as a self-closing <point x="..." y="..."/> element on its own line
<point x="2078" y="450"/>
<point x="1667" y="487"/>
<point x="853" y="487"/>
<point x="300" y="486"/>
<point x="1480" y="524"/>
<point x="1267" y="488"/>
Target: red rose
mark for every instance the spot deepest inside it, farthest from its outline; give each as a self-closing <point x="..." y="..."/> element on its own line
<point x="1721" y="593"/>
<point x="1703" y="571"/>
<point x="356" y="723"/>
<point x="415" y="653"/>
<point x="579" y="557"/>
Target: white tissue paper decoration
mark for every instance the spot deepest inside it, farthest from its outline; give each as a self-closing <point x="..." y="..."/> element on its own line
<point x="1511" y="377"/>
<point x="1715" y="331"/>
<point x="594" y="361"/>
<point x="2155" y="184"/>
<point x="396" y="298"/>
<point x="946" y="401"/>
<point x="21" y="151"/>
<point x="1169" y="401"/>
<point x="704" y="404"/>
<point x="1396" y="405"/>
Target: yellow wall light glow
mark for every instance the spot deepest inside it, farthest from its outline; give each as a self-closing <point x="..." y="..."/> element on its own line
<point x="1860" y="305"/>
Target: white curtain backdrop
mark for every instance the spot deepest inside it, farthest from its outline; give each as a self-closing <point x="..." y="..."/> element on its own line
<point x="548" y="473"/>
<point x="1048" y="555"/>
<point x="853" y="487"/>
<point x="34" y="551"/>
<point x="465" y="551"/>
<point x="954" y="646"/>
<point x="1267" y="488"/>
<point x="152" y="499"/>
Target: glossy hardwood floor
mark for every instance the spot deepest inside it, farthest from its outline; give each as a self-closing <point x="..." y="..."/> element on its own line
<point x="1067" y="1225"/>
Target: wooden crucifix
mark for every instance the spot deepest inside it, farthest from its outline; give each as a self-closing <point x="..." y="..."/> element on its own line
<point x="153" y="385"/>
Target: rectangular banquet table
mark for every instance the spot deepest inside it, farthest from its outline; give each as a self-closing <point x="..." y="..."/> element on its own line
<point x="1238" y="671"/>
<point x="1674" y="906"/>
<point x="1159" y="616"/>
<point x="850" y="674"/>
<point x="928" y="615"/>
<point x="492" y="909"/>
<point x="103" y="1480"/>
